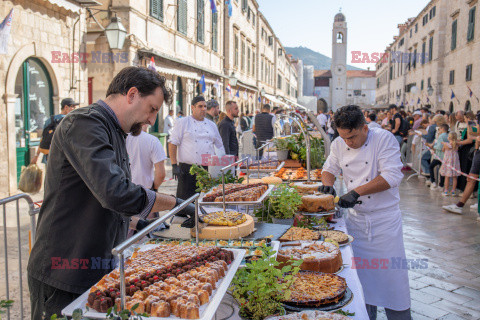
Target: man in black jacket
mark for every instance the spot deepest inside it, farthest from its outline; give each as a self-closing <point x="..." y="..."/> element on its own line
<point x="89" y="196"/>
<point x="263" y="127"/>
<point x="226" y="127"/>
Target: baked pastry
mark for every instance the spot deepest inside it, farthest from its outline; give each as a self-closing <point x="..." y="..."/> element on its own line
<point x="338" y="236"/>
<point x="236" y="192"/>
<point x="317" y="203"/>
<point x="314" y="289"/>
<point x="317" y="256"/>
<point x="312" y="315"/>
<point x="296" y="234"/>
<point x="272" y="180"/>
<point x="305" y="187"/>
<point x="229" y="218"/>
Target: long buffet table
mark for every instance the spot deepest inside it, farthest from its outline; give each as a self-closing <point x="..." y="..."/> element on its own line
<point x="225" y="311"/>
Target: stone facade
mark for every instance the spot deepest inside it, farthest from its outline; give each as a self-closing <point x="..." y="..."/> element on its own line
<point x="38" y="29"/>
<point x="424" y="57"/>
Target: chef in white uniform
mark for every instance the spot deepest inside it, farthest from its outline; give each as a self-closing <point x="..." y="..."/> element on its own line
<point x="370" y="162"/>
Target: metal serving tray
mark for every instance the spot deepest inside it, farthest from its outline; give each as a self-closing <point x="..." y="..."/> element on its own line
<point x="257" y="202"/>
<point x="207" y="311"/>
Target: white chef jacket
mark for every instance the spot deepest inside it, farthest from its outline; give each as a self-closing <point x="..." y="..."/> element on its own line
<point x="168" y="125"/>
<point x="322" y="119"/>
<point x="196" y="138"/>
<point x="375" y="224"/>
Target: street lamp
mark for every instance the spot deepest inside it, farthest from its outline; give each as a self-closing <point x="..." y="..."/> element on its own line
<point x="233" y="80"/>
<point x="116" y="33"/>
<point x="430" y="90"/>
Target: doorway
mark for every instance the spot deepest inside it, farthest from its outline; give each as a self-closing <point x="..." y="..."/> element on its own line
<point x="33" y="106"/>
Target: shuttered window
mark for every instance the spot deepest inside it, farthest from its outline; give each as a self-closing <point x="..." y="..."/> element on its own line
<point x="453" y="45"/>
<point x="200" y="21"/>
<point x="182" y="16"/>
<point x="156" y="9"/>
<point x="471" y="24"/>
<point x="215" y="31"/>
<point x="430" y="49"/>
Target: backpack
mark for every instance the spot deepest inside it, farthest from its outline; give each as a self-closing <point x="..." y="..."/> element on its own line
<point x="404" y="127"/>
<point x="47" y="135"/>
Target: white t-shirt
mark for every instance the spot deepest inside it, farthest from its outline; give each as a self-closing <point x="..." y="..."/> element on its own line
<point x="322" y="119"/>
<point x="168" y="125"/>
<point x="144" y="152"/>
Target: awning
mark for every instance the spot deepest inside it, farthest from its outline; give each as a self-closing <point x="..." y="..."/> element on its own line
<point x="275" y="100"/>
<point x="177" y="72"/>
<point x="66" y="5"/>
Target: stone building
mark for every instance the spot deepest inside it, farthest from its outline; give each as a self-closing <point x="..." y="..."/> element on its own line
<point x="432" y="60"/>
<point x="37" y="72"/>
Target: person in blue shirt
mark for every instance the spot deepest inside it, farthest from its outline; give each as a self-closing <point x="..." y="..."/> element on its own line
<point x="68" y="105"/>
<point x="438" y="149"/>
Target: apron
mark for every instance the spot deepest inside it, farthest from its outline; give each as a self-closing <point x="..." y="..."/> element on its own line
<point x="379" y="244"/>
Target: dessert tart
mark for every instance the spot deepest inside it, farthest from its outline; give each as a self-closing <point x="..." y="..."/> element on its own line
<point x="305" y="187"/>
<point x="229" y="218"/>
<point x="317" y="256"/>
<point x="235" y="192"/>
<point x="311" y="315"/>
<point x="296" y="234"/>
<point x="314" y="289"/>
<point x="338" y="236"/>
<point x="313" y="203"/>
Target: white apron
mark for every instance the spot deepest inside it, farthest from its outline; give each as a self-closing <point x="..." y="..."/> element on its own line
<point x="376" y="224"/>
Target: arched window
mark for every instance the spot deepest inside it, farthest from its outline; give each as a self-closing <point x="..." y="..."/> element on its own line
<point x="468" y="106"/>
<point x="340" y="37"/>
<point x="451" y="108"/>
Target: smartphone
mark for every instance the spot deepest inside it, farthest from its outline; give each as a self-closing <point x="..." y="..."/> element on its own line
<point x="471" y="123"/>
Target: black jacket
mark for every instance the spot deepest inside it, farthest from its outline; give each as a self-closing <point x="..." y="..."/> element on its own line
<point x="88" y="199"/>
<point x="226" y="127"/>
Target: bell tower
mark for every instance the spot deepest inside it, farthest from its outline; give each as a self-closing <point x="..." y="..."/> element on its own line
<point x="338" y="85"/>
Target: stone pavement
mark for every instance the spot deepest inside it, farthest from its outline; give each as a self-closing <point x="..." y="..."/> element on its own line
<point x="448" y="289"/>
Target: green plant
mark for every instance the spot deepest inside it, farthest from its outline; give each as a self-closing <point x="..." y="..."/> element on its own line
<point x="4" y="306"/>
<point x="281" y="144"/>
<point x="206" y="182"/>
<point x="311" y="222"/>
<point x="284" y="201"/>
<point x="260" y="287"/>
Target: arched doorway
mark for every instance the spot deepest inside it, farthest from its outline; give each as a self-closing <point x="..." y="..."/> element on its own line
<point x="468" y="106"/>
<point x="33" y="106"/>
<point x="451" y="108"/>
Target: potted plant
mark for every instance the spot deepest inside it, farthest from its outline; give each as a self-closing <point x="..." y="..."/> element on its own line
<point x="260" y="287"/>
<point x="284" y="203"/>
<point x="282" y="149"/>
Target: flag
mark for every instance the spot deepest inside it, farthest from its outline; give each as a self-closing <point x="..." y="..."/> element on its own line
<point x="213" y="6"/>
<point x="259" y="99"/>
<point x="229" y="88"/>
<point x="151" y="65"/>
<point x="428" y="100"/>
<point x="471" y="92"/>
<point x="5" y="27"/>
<point x="245" y="95"/>
<point x="419" y="101"/>
<point x="202" y="83"/>
<point x="453" y="95"/>
<point x="230" y="8"/>
<point x="237" y="94"/>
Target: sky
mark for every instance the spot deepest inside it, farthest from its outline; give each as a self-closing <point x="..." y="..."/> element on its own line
<point x="372" y="24"/>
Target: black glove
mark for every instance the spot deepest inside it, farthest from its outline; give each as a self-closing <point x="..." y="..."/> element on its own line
<point x="187" y="212"/>
<point x="175" y="171"/>
<point x="348" y="200"/>
<point x="327" y="190"/>
<point x="142" y="224"/>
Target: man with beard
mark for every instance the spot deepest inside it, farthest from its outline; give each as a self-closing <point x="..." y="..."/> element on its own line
<point x="195" y="138"/>
<point x="226" y="127"/>
<point x="89" y="195"/>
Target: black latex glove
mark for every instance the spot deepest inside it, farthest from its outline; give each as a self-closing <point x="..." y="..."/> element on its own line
<point x="327" y="190"/>
<point x="348" y="200"/>
<point x="175" y="171"/>
<point x="187" y="212"/>
<point x="142" y="224"/>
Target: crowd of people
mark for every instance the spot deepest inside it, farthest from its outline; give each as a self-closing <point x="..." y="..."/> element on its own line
<point x="447" y="144"/>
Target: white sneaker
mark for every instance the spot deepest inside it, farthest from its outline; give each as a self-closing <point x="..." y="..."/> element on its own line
<point x="428" y="182"/>
<point x="453" y="208"/>
<point x="433" y="186"/>
<point x="474" y="207"/>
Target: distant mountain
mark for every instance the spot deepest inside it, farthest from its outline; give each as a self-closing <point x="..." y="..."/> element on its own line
<point x="310" y="57"/>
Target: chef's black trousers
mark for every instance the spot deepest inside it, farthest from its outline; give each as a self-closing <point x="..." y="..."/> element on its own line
<point x="187" y="184"/>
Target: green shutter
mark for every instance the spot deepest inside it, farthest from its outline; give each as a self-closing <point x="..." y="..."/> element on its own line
<point x="182" y="16"/>
<point x="215" y="31"/>
<point x="471" y="24"/>
<point x="430" y="50"/>
<point x="454" y="35"/>
<point x="200" y="21"/>
<point x="423" y="53"/>
<point x="156" y="9"/>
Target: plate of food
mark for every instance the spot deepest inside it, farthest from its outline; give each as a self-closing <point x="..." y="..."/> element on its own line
<point x="338" y="236"/>
<point x="297" y="234"/>
<point x="318" y="291"/>
<point x="310" y="315"/>
<point x="236" y="193"/>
